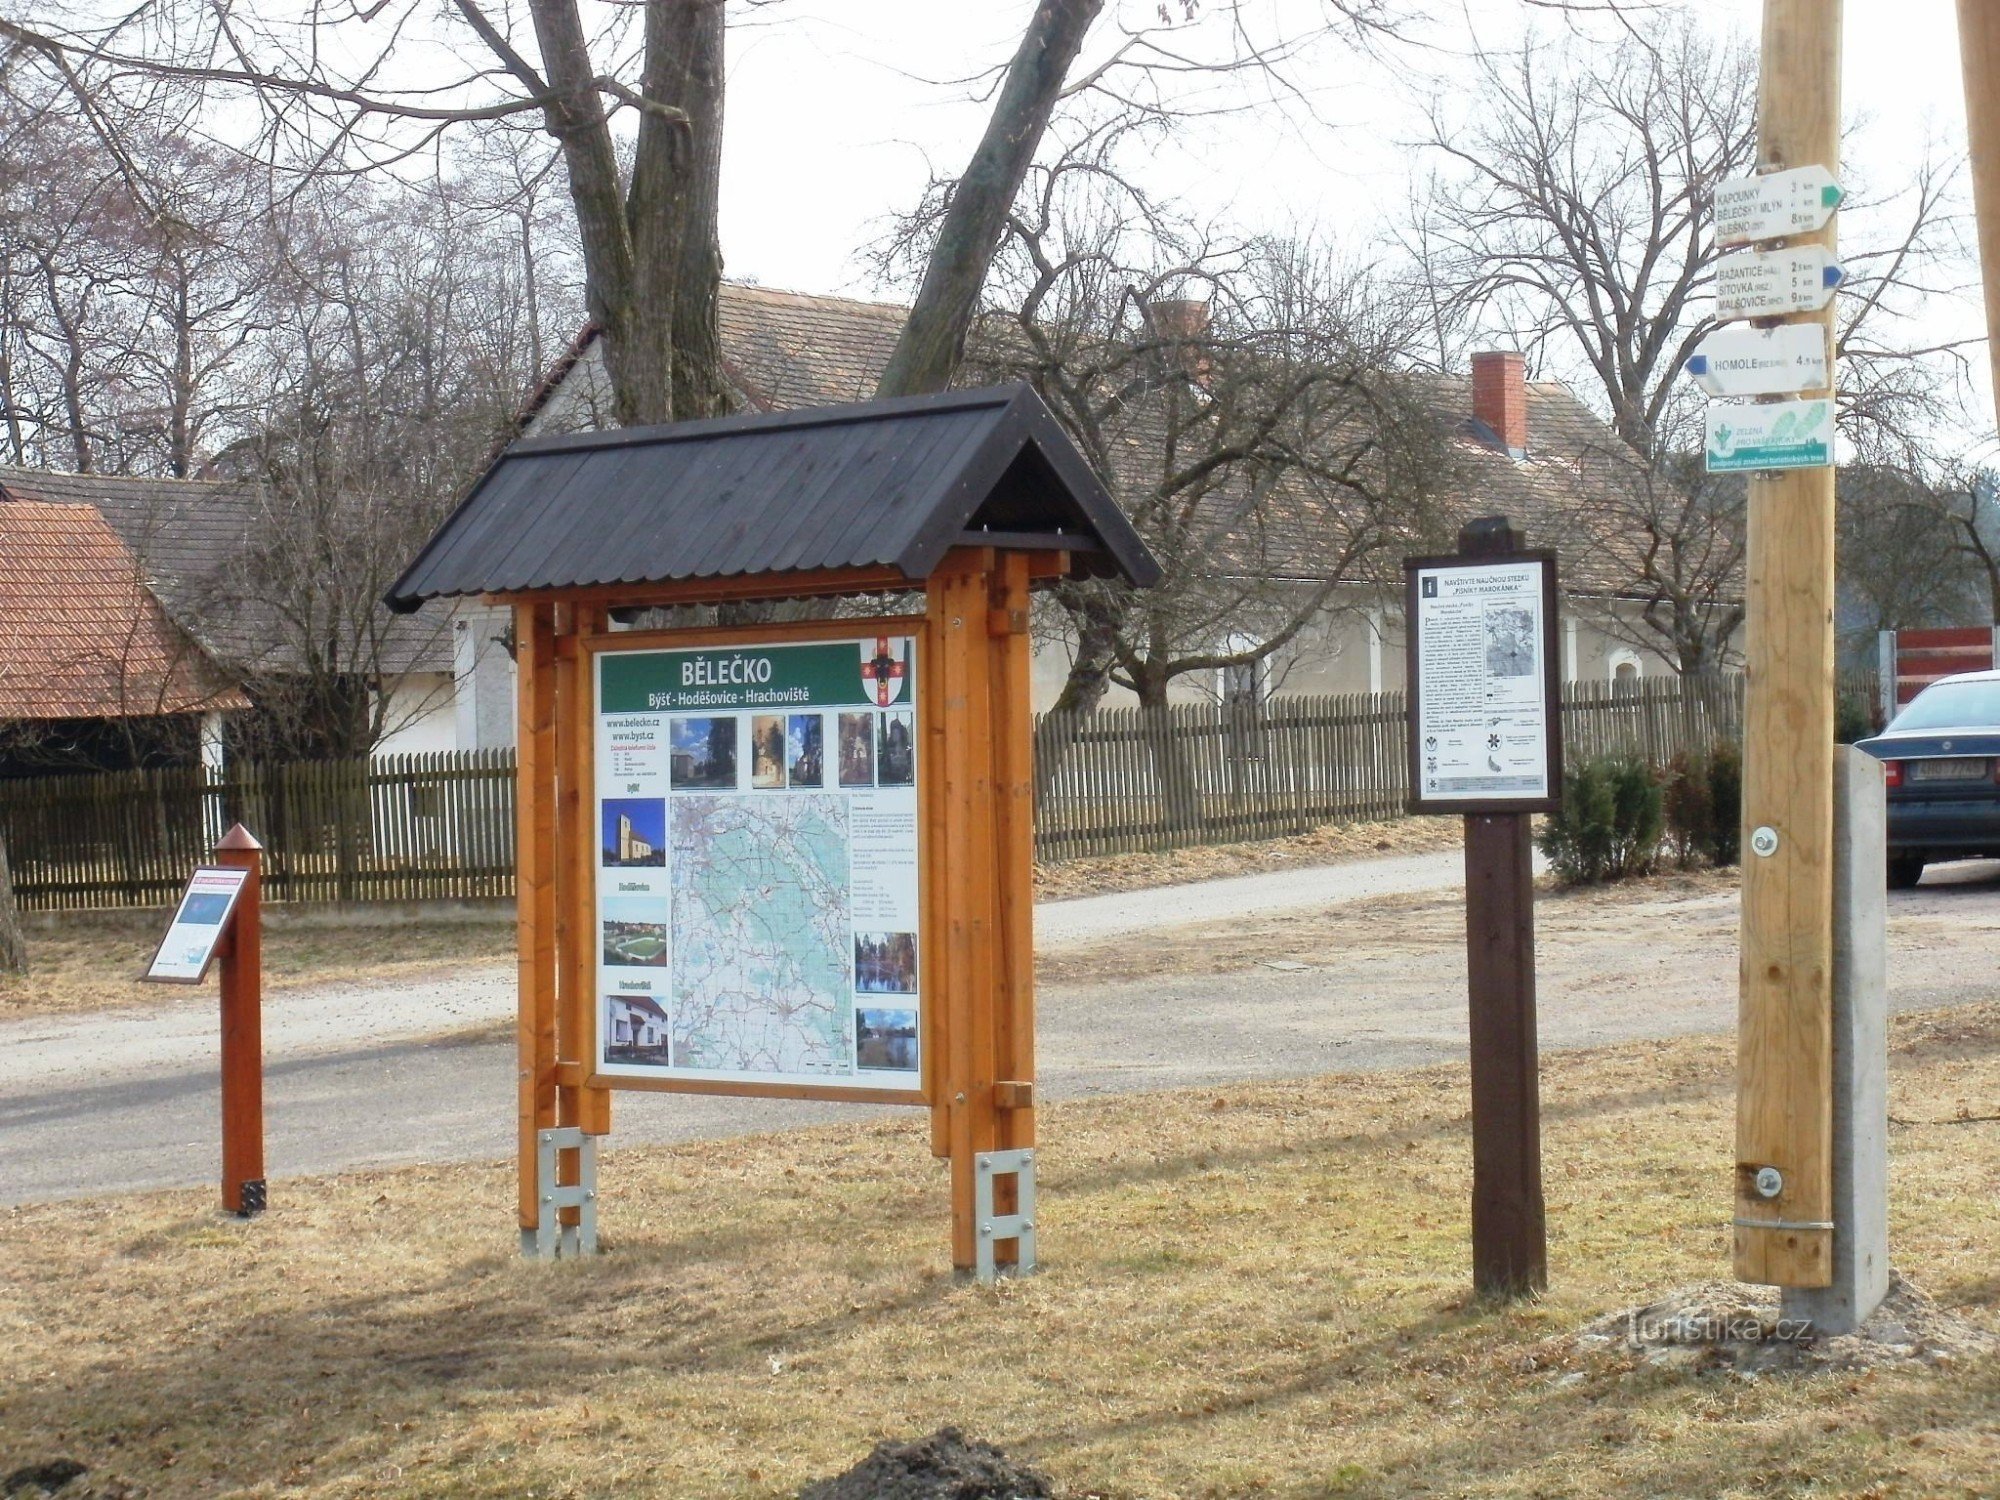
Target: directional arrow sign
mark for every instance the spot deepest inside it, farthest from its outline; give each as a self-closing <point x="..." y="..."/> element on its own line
<point x="1769" y="435"/>
<point x="1771" y="283"/>
<point x="1774" y="205"/>
<point x="1761" y="361"/>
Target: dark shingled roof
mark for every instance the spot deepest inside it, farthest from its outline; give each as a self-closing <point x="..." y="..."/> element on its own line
<point x="882" y="483"/>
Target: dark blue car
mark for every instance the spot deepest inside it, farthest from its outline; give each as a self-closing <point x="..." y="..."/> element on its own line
<point x="1941" y="756"/>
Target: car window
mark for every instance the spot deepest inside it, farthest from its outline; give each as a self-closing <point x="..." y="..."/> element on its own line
<point x="1953" y="705"/>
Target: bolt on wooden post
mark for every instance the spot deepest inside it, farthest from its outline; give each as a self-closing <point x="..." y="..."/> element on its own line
<point x="1784" y="1120"/>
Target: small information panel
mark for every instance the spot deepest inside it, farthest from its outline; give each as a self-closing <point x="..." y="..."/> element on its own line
<point x="199" y="922"/>
<point x="1485" y="725"/>
<point x="757" y="870"/>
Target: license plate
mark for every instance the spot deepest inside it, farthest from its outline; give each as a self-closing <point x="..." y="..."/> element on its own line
<point x="1958" y="768"/>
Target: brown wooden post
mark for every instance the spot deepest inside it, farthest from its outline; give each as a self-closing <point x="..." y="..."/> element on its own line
<point x="1979" y="54"/>
<point x="1784" y="1113"/>
<point x="242" y="960"/>
<point x="1014" y="787"/>
<point x="593" y="1105"/>
<point x="959" y="598"/>
<point x="1510" y="1256"/>
<point x="534" y="887"/>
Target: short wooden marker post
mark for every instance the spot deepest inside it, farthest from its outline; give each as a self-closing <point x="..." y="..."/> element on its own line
<point x="242" y="959"/>
<point x="1485" y="740"/>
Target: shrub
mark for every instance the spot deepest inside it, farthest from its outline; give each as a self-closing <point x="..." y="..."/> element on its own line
<point x="1702" y="801"/>
<point x="1853" y="718"/>
<point x="1725" y="794"/>
<point x="1610" y="822"/>
<point x="1688" y="803"/>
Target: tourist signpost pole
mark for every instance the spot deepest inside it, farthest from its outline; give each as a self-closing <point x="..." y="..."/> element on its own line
<point x="1784" y="1122"/>
<point x="1485" y="740"/>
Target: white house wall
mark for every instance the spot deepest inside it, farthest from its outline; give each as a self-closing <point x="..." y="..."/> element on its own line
<point x="422" y="716"/>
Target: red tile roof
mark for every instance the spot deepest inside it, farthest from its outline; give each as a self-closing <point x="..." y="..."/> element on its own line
<point x="80" y="634"/>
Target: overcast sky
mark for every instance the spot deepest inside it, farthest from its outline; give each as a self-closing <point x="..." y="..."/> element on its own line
<point x="839" y="109"/>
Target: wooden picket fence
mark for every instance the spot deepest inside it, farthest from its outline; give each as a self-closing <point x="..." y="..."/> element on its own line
<point x="395" y="828"/>
<point x="441" y="826"/>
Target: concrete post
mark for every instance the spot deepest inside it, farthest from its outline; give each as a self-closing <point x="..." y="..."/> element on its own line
<point x="1885" y="673"/>
<point x="1860" y="1054"/>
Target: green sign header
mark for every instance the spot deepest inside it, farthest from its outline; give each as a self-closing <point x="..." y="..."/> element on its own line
<point x="867" y="670"/>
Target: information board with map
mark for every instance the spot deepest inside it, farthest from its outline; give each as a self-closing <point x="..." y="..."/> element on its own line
<point x="757" y="874"/>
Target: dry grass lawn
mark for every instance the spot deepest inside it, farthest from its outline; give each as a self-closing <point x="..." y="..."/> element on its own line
<point x="92" y="960"/>
<point x="1329" y="844"/>
<point x="1260" y="1291"/>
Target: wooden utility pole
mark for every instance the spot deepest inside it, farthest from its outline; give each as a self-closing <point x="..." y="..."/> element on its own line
<point x="1784" y="1118"/>
<point x="1979" y="53"/>
<point x="243" y="1031"/>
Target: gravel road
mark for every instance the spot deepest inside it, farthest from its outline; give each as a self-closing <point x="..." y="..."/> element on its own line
<point x="1241" y="978"/>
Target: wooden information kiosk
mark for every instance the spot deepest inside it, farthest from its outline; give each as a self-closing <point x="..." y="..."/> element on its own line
<point x="781" y="857"/>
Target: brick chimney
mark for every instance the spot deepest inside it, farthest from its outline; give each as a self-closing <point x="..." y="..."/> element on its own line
<point x="1500" y="397"/>
<point x="1179" y="317"/>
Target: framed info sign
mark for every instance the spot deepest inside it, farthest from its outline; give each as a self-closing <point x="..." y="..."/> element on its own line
<point x="1485" y="697"/>
<point x="757" y="871"/>
<point x="198" y="925"/>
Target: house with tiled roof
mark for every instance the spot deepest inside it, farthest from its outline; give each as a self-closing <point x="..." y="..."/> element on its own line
<point x="1528" y="449"/>
<point x="186" y="546"/>
<point x="92" y="668"/>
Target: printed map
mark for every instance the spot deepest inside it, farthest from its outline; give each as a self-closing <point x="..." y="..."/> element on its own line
<point x="762" y="934"/>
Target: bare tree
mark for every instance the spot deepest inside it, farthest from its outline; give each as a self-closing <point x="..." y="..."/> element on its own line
<point x="13" y="943"/>
<point x="361" y="89"/>
<point x="1242" y="400"/>
<point x="1572" y="212"/>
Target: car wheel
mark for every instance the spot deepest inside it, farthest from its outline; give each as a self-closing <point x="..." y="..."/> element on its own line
<point x="1904" y="872"/>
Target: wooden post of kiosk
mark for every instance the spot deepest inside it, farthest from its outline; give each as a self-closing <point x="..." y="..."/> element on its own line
<point x="983" y="897"/>
<point x="1784" y="1119"/>
<point x="241" y="957"/>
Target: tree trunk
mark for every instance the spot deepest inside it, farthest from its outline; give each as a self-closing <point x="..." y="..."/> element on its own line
<point x="676" y="189"/>
<point x="933" y="339"/>
<point x="13" y="946"/>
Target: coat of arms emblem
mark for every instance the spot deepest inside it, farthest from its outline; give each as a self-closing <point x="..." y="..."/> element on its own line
<point x="884" y="669"/>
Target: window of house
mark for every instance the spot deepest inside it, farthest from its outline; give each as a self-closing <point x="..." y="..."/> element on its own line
<point x="1626" y="671"/>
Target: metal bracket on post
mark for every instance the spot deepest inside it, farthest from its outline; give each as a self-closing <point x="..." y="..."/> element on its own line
<point x="550" y="1238"/>
<point x="1018" y="1226"/>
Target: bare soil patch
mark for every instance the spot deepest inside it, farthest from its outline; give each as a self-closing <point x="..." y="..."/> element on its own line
<point x="944" y="1466"/>
<point x="1256" y="1290"/>
<point x="1105" y="874"/>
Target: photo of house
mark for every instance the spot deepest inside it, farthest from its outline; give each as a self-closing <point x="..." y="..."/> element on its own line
<point x="805" y="749"/>
<point x="896" y="748"/>
<point x="702" y="756"/>
<point x="857" y="749"/>
<point x="635" y="1030"/>
<point x="767" y="752"/>
<point x="635" y="832"/>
